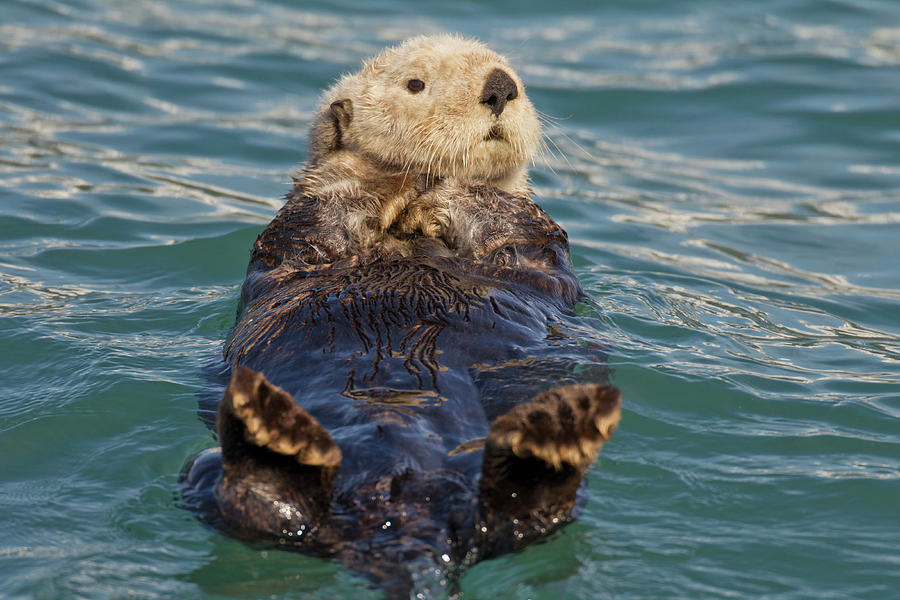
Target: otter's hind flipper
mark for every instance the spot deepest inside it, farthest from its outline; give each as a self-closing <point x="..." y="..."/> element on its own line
<point x="278" y="462"/>
<point x="535" y="457"/>
<point x="256" y="413"/>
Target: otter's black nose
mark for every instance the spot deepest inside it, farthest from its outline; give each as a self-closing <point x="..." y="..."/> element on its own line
<point x="498" y="90"/>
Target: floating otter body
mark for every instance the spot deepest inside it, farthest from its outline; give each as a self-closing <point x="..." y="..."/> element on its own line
<point x="401" y="321"/>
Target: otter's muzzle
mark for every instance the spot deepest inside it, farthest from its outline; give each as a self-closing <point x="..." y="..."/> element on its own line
<point x="498" y="90"/>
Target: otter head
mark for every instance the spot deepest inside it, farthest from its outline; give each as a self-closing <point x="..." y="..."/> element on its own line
<point x="438" y="106"/>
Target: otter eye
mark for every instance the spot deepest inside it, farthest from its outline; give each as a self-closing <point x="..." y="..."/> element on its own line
<point x="415" y="85"/>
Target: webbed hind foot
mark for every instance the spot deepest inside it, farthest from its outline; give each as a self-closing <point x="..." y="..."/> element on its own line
<point x="562" y="426"/>
<point x="266" y="416"/>
<point x="535" y="458"/>
<point x="278" y="462"/>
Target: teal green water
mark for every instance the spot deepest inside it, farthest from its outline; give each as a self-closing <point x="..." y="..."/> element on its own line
<point x="729" y="174"/>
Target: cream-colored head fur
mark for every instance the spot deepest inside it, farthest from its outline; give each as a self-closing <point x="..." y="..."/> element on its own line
<point x="443" y="130"/>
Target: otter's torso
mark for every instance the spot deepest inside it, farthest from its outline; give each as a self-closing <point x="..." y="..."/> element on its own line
<point x="383" y="349"/>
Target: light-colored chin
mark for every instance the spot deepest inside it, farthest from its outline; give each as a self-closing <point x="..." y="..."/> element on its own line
<point x="490" y="162"/>
<point x="514" y="182"/>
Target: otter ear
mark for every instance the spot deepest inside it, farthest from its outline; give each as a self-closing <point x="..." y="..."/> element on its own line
<point x="342" y="111"/>
<point x="327" y="133"/>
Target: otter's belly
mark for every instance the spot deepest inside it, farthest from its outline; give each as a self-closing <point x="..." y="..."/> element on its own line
<point x="384" y="358"/>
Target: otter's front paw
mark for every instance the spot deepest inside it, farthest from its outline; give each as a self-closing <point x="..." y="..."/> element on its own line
<point x="422" y="219"/>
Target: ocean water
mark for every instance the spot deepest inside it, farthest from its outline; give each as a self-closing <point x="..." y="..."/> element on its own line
<point x="728" y="173"/>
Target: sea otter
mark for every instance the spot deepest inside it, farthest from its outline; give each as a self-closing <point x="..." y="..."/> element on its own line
<point x="407" y="378"/>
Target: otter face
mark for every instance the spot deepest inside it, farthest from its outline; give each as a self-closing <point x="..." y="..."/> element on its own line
<point x="439" y="106"/>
